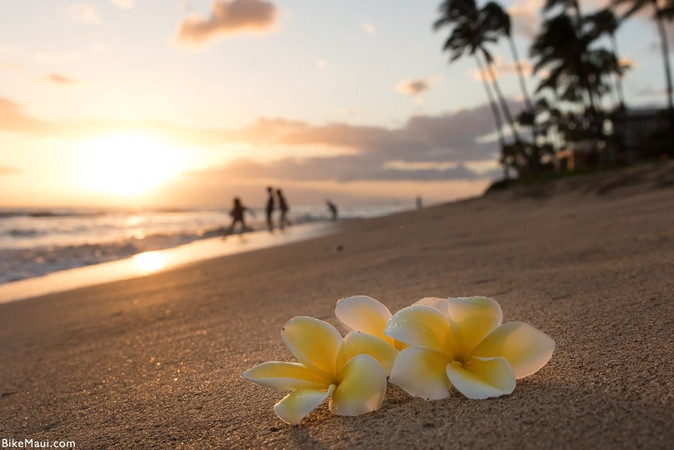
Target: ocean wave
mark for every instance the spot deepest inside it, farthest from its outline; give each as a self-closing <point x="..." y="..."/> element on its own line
<point x="20" y="263"/>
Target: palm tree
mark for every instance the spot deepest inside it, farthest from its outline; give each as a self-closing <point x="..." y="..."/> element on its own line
<point x="659" y="14"/>
<point x="472" y="28"/>
<point x="502" y="23"/>
<point x="560" y="50"/>
<point x="575" y="6"/>
<point x="605" y="22"/>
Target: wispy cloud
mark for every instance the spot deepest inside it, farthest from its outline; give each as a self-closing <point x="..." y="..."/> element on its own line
<point x="8" y="170"/>
<point x="228" y="17"/>
<point x="416" y="86"/>
<point x="59" y="79"/>
<point x="369" y="28"/>
<point x="11" y="66"/>
<point x="503" y="67"/>
<point x="124" y="4"/>
<point x="83" y="13"/>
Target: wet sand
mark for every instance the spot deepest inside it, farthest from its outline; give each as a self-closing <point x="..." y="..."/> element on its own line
<point x="157" y="361"/>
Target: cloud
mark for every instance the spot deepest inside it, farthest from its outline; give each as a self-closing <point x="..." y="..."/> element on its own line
<point x="413" y="87"/>
<point x="83" y="13"/>
<point x="11" y="66"/>
<point x="12" y="118"/>
<point x="228" y="17"/>
<point x="416" y="86"/>
<point x="502" y="67"/>
<point x="59" y="79"/>
<point x="369" y="28"/>
<point x="124" y="4"/>
<point x="526" y="17"/>
<point x="425" y="148"/>
<point x="7" y="170"/>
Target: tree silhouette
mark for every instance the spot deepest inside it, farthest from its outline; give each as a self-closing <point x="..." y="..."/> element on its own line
<point x="471" y="29"/>
<point x="604" y="22"/>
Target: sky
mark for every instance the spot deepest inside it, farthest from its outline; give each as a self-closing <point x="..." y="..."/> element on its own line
<point x="190" y="103"/>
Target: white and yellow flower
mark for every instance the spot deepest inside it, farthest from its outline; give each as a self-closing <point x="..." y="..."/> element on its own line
<point x="347" y="370"/>
<point x="367" y="315"/>
<point x="461" y="342"/>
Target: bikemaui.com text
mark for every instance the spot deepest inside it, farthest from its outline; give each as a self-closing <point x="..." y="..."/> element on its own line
<point x="35" y="443"/>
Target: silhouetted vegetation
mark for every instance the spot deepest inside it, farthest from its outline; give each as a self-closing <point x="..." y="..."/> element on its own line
<point x="578" y="118"/>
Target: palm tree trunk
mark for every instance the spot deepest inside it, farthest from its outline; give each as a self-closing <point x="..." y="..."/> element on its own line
<point x="497" y="116"/>
<point x="618" y="78"/>
<point x="583" y="74"/>
<point x="520" y="73"/>
<point x="523" y="87"/>
<point x="504" y="104"/>
<point x="665" y="57"/>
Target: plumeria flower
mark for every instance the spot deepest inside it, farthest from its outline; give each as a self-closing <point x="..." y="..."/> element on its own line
<point x="345" y="370"/>
<point x="461" y="342"/>
<point x="367" y="315"/>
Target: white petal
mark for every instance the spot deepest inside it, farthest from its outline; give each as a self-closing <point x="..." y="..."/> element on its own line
<point x="422" y="327"/>
<point x="526" y="348"/>
<point x="284" y="375"/>
<point x="362" y="313"/>
<point x="441" y="304"/>
<point x="471" y="319"/>
<point x="482" y="378"/>
<point x="357" y="343"/>
<point x="314" y="343"/>
<point x="361" y="388"/>
<point x="295" y="406"/>
<point x="421" y="373"/>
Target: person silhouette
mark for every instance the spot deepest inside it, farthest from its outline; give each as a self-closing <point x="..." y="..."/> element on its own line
<point x="237" y="213"/>
<point x="333" y="209"/>
<point x="283" y="206"/>
<point x="270" y="208"/>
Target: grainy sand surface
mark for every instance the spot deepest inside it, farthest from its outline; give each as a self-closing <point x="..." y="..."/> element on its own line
<point x="157" y="361"/>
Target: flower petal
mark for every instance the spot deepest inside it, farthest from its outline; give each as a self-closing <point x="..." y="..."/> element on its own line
<point x="361" y="389"/>
<point x="284" y="375"/>
<point x="314" y="343"/>
<point x="362" y="313"/>
<point x="422" y="373"/>
<point x="482" y="377"/>
<point x="357" y="343"/>
<point x="441" y="304"/>
<point x="295" y="406"/>
<point x="471" y="319"/>
<point x="526" y="348"/>
<point x="422" y="327"/>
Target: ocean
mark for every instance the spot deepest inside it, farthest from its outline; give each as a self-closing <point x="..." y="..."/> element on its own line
<point x="37" y="242"/>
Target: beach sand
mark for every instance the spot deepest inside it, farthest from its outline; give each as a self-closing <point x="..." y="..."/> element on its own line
<point x="157" y="361"/>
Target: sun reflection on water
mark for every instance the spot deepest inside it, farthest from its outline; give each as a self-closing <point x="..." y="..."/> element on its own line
<point x="149" y="262"/>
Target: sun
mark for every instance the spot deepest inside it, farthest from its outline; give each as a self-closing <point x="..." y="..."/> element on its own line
<point x="128" y="164"/>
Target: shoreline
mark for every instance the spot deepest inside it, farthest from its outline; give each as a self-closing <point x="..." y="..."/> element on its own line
<point x="157" y="361"/>
<point x="155" y="261"/>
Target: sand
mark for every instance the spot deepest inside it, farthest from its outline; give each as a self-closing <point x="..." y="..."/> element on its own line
<point x="157" y="361"/>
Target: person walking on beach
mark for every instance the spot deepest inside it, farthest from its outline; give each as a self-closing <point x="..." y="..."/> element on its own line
<point x="237" y="214"/>
<point x="270" y="208"/>
<point x="333" y="209"/>
<point x="283" y="206"/>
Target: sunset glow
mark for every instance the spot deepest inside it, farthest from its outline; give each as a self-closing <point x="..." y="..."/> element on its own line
<point x="161" y="104"/>
<point x="128" y="164"/>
